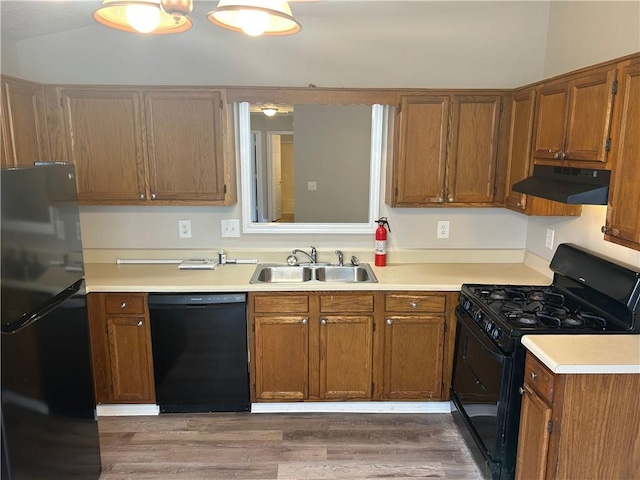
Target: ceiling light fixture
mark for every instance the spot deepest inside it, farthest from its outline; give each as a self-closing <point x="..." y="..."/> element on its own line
<point x="155" y="17"/>
<point x="270" y="111"/>
<point x="255" y="17"/>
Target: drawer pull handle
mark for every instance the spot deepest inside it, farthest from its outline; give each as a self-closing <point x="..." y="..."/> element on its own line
<point x="414" y="305"/>
<point x="389" y="321"/>
<point x="123" y="305"/>
<point x="305" y="321"/>
<point x="534" y="374"/>
<point x="139" y="323"/>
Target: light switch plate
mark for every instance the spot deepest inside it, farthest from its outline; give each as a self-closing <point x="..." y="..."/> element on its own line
<point x="230" y="228"/>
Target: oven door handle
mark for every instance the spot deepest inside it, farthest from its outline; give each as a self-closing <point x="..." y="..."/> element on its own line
<point x="486" y="345"/>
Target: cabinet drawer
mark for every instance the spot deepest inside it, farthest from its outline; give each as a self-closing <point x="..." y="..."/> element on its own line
<point x="125" y="304"/>
<point x="414" y="302"/>
<point x="347" y="303"/>
<point x="539" y="377"/>
<point x="281" y="303"/>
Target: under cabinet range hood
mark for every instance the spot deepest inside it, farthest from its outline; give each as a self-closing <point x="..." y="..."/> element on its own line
<point x="582" y="186"/>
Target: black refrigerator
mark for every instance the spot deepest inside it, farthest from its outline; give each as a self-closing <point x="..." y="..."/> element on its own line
<point x="48" y="414"/>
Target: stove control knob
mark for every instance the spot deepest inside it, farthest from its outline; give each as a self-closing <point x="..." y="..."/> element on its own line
<point x="489" y="327"/>
<point x="496" y="334"/>
<point x="478" y="316"/>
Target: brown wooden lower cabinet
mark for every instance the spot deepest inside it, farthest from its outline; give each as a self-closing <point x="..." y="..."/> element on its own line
<point x="121" y="348"/>
<point x="578" y="425"/>
<point x="349" y="346"/>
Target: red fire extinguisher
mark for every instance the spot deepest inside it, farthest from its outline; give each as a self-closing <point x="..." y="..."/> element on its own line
<point x="381" y="242"/>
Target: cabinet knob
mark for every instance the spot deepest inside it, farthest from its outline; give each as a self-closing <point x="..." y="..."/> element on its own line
<point x="440" y="198"/>
<point x="557" y="155"/>
<point x="450" y="198"/>
<point x="389" y="321"/>
<point x="521" y="390"/>
<point x="153" y="196"/>
<point x="142" y="196"/>
<point x="123" y="305"/>
<point x="550" y="150"/>
<point x="323" y="321"/>
<point x="534" y="374"/>
<point x="603" y="229"/>
<point x="139" y="323"/>
<point x="563" y="156"/>
<point x="305" y="321"/>
<point x="414" y="305"/>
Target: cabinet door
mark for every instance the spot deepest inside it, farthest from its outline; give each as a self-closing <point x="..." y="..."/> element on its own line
<point x="589" y="117"/>
<point x="130" y="359"/>
<point x="623" y="219"/>
<point x="346" y="357"/>
<point x="26" y="125"/>
<point x="519" y="152"/>
<point x="105" y="142"/>
<point x="419" y="168"/>
<point x="282" y="363"/>
<point x="186" y="156"/>
<point x="550" y="120"/>
<point x="533" y="439"/>
<point x="471" y="161"/>
<point x="413" y="357"/>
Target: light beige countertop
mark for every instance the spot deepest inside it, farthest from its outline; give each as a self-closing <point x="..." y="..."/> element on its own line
<point x="110" y="277"/>
<point x="577" y="354"/>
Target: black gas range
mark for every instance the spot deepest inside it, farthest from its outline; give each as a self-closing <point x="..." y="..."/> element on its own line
<point x="589" y="295"/>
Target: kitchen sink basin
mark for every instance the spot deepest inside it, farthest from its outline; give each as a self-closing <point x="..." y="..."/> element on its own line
<point x="346" y="274"/>
<point x="277" y="273"/>
<point x="281" y="274"/>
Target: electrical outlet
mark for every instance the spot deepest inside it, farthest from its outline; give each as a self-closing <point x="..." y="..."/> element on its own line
<point x="184" y="228"/>
<point x="548" y="242"/>
<point x="230" y="228"/>
<point x="443" y="229"/>
<point x="312" y="186"/>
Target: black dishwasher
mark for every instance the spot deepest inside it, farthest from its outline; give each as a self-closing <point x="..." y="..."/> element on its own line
<point x="200" y="357"/>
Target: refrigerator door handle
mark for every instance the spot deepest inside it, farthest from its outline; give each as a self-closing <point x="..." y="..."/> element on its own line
<point x="33" y="316"/>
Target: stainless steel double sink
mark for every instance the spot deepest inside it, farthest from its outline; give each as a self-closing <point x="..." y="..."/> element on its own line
<point x="280" y="273"/>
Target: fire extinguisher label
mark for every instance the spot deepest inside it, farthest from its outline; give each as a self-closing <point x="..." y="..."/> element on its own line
<point x="381" y="247"/>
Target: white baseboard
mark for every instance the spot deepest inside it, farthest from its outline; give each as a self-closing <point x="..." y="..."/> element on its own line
<point x="352" y="407"/>
<point x="126" y="410"/>
<point x="296" y="407"/>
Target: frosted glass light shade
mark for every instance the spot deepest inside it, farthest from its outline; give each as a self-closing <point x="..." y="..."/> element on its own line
<point x="117" y="14"/>
<point x="255" y="17"/>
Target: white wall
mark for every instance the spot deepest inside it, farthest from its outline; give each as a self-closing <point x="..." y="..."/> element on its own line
<point x="584" y="33"/>
<point x="581" y="34"/>
<point x="9" y="52"/>
<point x="352" y="44"/>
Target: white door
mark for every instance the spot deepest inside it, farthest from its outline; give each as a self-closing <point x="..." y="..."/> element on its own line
<point x="276" y="179"/>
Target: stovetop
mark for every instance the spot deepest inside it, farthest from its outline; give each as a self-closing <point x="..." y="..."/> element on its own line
<point x="506" y="312"/>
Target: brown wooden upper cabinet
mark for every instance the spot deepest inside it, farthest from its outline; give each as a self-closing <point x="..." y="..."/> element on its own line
<point x="104" y="136"/>
<point x="152" y="146"/>
<point x="185" y="145"/>
<point x="446" y="150"/>
<point x="623" y="219"/>
<point x="522" y="107"/>
<point x="573" y="118"/>
<point x="24" y="126"/>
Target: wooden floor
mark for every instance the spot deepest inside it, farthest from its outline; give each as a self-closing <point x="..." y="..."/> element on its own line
<point x="284" y="446"/>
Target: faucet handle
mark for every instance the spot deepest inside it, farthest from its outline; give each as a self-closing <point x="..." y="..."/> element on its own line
<point x="340" y="257"/>
<point x="354" y="261"/>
